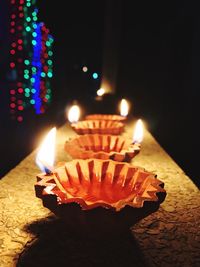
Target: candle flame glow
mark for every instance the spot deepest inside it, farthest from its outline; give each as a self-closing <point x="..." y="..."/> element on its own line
<point x="46" y="154"/>
<point x="101" y="92"/>
<point x="124" y="107"/>
<point x="74" y="113"/>
<point x="138" y="132"/>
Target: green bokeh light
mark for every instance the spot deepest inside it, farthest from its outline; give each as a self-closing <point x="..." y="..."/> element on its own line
<point x="28" y="29"/>
<point x="50" y="74"/>
<point x="26" y="62"/>
<point x="43" y="74"/>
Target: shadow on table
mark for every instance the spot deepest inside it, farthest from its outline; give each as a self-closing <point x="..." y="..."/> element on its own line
<point x="57" y="246"/>
<point x="94" y="238"/>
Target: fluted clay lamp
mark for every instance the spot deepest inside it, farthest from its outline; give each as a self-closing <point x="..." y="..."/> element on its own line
<point x="124" y="109"/>
<point x="86" y="193"/>
<point x="98" y="127"/>
<point x="103" y="146"/>
<point x="92" y="126"/>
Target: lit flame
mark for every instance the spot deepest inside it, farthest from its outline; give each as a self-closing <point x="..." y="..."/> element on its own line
<point x="101" y="92"/>
<point x="124" y="107"/>
<point x="138" y="132"/>
<point x="46" y="154"/>
<point x="74" y="113"/>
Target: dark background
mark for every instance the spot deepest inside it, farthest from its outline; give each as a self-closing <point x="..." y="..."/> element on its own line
<point x="158" y="71"/>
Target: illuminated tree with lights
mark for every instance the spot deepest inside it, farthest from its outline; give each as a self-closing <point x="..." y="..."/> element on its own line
<point x="31" y="60"/>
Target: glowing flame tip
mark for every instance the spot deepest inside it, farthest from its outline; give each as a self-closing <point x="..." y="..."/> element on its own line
<point x="124" y="107"/>
<point x="46" y="153"/>
<point x="74" y="113"/>
<point x="101" y="92"/>
<point x="138" y="132"/>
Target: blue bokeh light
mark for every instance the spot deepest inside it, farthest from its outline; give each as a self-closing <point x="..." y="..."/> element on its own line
<point x="95" y="75"/>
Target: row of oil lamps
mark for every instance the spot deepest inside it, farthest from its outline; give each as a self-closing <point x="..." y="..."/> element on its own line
<point x="91" y="129"/>
<point x="100" y="173"/>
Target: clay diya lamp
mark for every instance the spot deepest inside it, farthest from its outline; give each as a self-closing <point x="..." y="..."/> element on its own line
<point x="124" y="109"/>
<point x="109" y="117"/>
<point x="98" y="127"/>
<point x="100" y="196"/>
<point x="102" y="146"/>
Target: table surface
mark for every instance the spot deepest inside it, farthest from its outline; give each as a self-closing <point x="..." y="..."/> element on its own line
<point x="30" y="235"/>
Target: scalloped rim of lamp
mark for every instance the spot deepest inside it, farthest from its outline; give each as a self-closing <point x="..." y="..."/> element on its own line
<point x="98" y="126"/>
<point x="111" y="117"/>
<point x="100" y="183"/>
<point x="103" y="147"/>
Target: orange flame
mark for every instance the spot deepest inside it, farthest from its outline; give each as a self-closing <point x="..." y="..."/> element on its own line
<point x="74" y="113"/>
<point x="101" y="92"/>
<point x="124" y="107"/>
<point x="46" y="154"/>
<point x="138" y="132"/>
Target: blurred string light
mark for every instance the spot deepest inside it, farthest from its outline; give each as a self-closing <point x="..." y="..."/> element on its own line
<point x="101" y="91"/>
<point x="31" y="64"/>
<point x="85" y="69"/>
<point x="95" y="75"/>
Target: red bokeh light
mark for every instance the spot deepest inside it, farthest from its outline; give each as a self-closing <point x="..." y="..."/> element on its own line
<point x="12" y="51"/>
<point x="12" y="92"/>
<point x="45" y="68"/>
<point x="20" y="90"/>
<point x="20" y="41"/>
<point x="12" y="64"/>
<point x="20" y="108"/>
<point x="20" y="118"/>
<point x="12" y="105"/>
